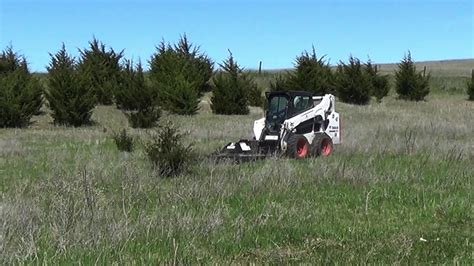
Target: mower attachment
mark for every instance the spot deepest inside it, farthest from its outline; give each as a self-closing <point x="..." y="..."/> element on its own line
<point x="243" y="150"/>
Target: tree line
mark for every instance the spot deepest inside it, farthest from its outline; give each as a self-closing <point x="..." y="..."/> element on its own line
<point x="179" y="75"/>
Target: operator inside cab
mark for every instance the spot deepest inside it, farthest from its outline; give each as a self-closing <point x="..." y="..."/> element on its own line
<point x="301" y="103"/>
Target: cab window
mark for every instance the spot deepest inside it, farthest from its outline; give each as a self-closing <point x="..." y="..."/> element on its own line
<point x="277" y="108"/>
<point x="302" y="103"/>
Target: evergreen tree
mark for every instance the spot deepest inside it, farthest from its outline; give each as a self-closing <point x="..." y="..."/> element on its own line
<point x="198" y="66"/>
<point x="230" y="89"/>
<point x="137" y="100"/>
<point x="352" y="84"/>
<point x="470" y="88"/>
<point x="181" y="96"/>
<point x="280" y="83"/>
<point x="254" y="93"/>
<point x="20" y="92"/>
<point x="70" y="99"/>
<point x="11" y="61"/>
<point x="99" y="68"/>
<point x="410" y="84"/>
<point x="180" y="73"/>
<point x="311" y="74"/>
<point x="380" y="87"/>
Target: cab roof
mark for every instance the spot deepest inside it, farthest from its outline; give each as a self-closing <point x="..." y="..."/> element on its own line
<point x="291" y="94"/>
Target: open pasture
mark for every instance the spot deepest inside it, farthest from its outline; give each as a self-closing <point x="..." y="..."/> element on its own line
<point x="398" y="190"/>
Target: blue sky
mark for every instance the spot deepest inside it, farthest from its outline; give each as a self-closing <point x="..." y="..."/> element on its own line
<point x="274" y="32"/>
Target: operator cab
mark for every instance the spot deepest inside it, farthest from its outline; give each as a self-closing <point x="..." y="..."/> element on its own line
<point x="283" y="105"/>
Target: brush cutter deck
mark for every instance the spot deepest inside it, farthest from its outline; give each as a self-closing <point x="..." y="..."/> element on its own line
<point x="243" y="150"/>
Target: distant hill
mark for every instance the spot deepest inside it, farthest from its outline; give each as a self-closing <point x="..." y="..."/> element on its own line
<point x="447" y="68"/>
<point x="441" y="68"/>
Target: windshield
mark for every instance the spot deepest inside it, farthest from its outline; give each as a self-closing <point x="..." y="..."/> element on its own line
<point x="276" y="112"/>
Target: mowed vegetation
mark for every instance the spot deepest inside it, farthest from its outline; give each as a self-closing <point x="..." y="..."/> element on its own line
<point x="399" y="189"/>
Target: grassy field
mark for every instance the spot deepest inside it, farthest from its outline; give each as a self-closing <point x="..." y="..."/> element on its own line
<point x="398" y="190"/>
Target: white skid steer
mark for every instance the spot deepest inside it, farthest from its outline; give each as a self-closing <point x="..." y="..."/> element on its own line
<point x="296" y="124"/>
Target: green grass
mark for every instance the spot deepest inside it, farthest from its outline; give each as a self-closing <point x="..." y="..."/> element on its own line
<point x="398" y="190"/>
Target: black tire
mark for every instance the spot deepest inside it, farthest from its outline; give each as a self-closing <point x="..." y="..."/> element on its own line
<point x="298" y="147"/>
<point x="322" y="145"/>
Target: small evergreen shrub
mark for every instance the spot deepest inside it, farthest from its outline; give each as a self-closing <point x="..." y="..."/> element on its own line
<point x="123" y="141"/>
<point x="167" y="152"/>
<point x="20" y="92"/>
<point x="352" y="84"/>
<point x="70" y="100"/>
<point x="99" y="68"/>
<point x="180" y="74"/>
<point x="311" y="74"/>
<point x="410" y="84"/>
<point x="136" y="99"/>
<point x="143" y="118"/>
<point x="470" y="88"/>
<point x="230" y="92"/>
<point x="380" y="86"/>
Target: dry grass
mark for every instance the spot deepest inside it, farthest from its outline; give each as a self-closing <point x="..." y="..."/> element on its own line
<point x="443" y="68"/>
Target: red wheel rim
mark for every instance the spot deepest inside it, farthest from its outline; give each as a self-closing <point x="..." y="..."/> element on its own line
<point x="302" y="148"/>
<point x="326" y="147"/>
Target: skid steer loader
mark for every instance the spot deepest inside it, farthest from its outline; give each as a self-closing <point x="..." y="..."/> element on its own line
<point x="296" y="124"/>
